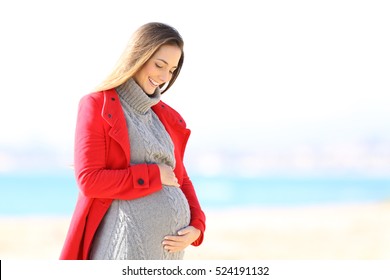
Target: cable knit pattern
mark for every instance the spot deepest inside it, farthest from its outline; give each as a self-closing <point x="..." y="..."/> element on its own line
<point x="135" y="229"/>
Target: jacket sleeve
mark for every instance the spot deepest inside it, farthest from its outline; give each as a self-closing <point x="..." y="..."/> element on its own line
<point x="94" y="178"/>
<point x="198" y="218"/>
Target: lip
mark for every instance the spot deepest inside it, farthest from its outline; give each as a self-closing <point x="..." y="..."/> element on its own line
<point x="153" y="82"/>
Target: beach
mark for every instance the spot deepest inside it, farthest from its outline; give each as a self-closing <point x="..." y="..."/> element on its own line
<point x="318" y="232"/>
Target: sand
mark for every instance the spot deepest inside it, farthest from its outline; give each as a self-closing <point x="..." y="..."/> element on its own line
<point x="327" y="232"/>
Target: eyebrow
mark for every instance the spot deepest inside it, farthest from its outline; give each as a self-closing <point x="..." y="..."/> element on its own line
<point x="165" y="62"/>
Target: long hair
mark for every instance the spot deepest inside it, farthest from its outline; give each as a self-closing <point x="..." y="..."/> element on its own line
<point x="145" y="41"/>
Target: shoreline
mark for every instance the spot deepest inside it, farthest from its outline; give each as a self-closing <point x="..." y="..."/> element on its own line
<point x="317" y="232"/>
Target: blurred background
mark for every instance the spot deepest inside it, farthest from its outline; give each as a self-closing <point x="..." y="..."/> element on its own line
<point x="287" y="102"/>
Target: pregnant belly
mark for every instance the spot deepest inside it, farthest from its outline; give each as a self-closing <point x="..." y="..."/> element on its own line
<point x="164" y="212"/>
<point x="136" y="228"/>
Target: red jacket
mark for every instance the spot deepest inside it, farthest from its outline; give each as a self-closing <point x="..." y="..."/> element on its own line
<point x="102" y="156"/>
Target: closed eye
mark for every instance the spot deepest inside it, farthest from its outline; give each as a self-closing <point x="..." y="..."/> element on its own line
<point x="166" y="63"/>
<point x="161" y="66"/>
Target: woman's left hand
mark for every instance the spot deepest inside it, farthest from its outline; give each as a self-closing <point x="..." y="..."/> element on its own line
<point x="185" y="237"/>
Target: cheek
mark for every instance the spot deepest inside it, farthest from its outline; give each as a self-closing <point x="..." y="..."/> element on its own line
<point x="150" y="70"/>
<point x="144" y="74"/>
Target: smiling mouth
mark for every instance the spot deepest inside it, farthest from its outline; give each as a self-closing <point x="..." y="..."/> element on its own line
<point x="153" y="82"/>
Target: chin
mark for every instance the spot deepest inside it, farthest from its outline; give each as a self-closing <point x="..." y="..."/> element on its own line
<point x="150" y="92"/>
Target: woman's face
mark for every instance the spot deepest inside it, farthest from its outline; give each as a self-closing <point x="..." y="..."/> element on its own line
<point x="158" y="69"/>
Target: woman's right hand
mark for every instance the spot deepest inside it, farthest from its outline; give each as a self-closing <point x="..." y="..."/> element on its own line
<point x="167" y="175"/>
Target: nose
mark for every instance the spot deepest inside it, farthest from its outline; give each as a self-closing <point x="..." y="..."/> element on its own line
<point x="165" y="76"/>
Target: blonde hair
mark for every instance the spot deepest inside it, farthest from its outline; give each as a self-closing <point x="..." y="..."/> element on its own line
<point x="145" y="41"/>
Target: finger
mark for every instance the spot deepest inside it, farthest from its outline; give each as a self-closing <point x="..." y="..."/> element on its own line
<point x="176" y="182"/>
<point x="171" y="249"/>
<point x="174" y="185"/>
<point x="172" y="238"/>
<point x="172" y="244"/>
<point x="183" y="231"/>
<point x="174" y="247"/>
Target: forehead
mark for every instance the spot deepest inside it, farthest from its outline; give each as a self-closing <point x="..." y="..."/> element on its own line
<point x="168" y="53"/>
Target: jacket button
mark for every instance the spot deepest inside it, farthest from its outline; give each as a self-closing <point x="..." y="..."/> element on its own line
<point x="141" y="181"/>
<point x="109" y="115"/>
<point x="113" y="98"/>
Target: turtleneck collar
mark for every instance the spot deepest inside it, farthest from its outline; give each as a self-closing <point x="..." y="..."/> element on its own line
<point x="132" y="94"/>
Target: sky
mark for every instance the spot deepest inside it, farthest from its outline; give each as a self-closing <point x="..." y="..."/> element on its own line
<point x="258" y="75"/>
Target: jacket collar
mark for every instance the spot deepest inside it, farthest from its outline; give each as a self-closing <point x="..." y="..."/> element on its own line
<point x="113" y="114"/>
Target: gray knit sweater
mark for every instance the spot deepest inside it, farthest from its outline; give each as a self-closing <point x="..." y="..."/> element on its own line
<point x="135" y="229"/>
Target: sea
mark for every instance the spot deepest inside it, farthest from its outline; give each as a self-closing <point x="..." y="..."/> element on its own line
<point x="55" y="193"/>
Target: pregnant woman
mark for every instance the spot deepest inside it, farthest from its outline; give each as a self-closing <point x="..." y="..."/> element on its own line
<point x="136" y="200"/>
